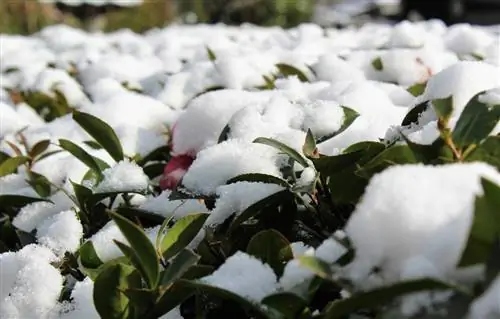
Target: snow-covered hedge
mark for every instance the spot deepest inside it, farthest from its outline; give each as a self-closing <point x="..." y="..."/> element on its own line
<point x="247" y="172"/>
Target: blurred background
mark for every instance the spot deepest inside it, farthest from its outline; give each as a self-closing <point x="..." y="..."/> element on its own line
<point x="28" y="16"/>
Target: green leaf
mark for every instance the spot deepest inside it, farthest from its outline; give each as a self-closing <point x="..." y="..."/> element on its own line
<point x="413" y="115"/>
<point x="48" y="154"/>
<point x="10" y="165"/>
<point x="284" y="149"/>
<point x="393" y="155"/>
<point x="317" y="266"/>
<point x="88" y="256"/>
<point x="443" y="107"/>
<point x="288" y="70"/>
<point x="253" y="210"/>
<point x="485" y="229"/>
<point x="179" y="266"/>
<point x="380" y="296"/>
<point x="93" y="144"/>
<point x="142" y="247"/>
<point x="211" y="55"/>
<point x="101" y="132"/>
<point x="225" y="294"/>
<point x="81" y="155"/>
<point x="309" y="149"/>
<point x="133" y="212"/>
<point x="328" y="165"/>
<point x="173" y="297"/>
<point x="109" y="299"/>
<point x="349" y="117"/>
<point x="417" y="89"/>
<point x="154" y="170"/>
<point x="286" y="303"/>
<point x="488" y="152"/>
<point x="140" y="298"/>
<point x="19" y="200"/>
<point x="3" y="157"/>
<point x="259" y="178"/>
<point x="82" y="194"/>
<point x="181" y="234"/>
<point x="475" y="123"/>
<point x="272" y="248"/>
<point x="40" y="184"/>
<point x="39" y="148"/>
<point x="224" y="135"/>
<point x="377" y="64"/>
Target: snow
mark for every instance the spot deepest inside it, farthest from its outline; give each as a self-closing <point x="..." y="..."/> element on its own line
<point x="415" y="211"/>
<point x="236" y="197"/>
<point x="411" y="222"/>
<point x="245" y="276"/>
<point x="30" y="284"/>
<point x="216" y="165"/>
<point x="61" y="232"/>
<point x="125" y="176"/>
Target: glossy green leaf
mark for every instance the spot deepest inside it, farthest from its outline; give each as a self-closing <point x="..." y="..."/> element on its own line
<point x="211" y="55"/>
<point x="180" y="264"/>
<point x="39" y="148"/>
<point x="475" y="123"/>
<point x="10" y="165"/>
<point x="377" y="64"/>
<point x="413" y="115"/>
<point x="488" y="152"/>
<point x="225" y="294"/>
<point x="19" y="200"/>
<point x="181" y="234"/>
<point x="109" y="299"/>
<point x="259" y="178"/>
<point x="142" y="247"/>
<point x="81" y="155"/>
<point x="485" y="229"/>
<point x="101" y="132"/>
<point x="284" y="149"/>
<point x="443" y="107"/>
<point x="288" y="304"/>
<point x="253" y="210"/>
<point x="289" y="70"/>
<point x="272" y="248"/>
<point x="40" y="184"/>
<point x="309" y="147"/>
<point x="317" y="266"/>
<point x="393" y="155"/>
<point x="349" y="117"/>
<point x="380" y="296"/>
<point x="88" y="256"/>
<point x="417" y="89"/>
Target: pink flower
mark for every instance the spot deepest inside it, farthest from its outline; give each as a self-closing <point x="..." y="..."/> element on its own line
<point x="174" y="171"/>
<point x="176" y="168"/>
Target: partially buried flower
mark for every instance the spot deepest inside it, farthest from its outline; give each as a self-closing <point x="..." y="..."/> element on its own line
<point x="175" y="170"/>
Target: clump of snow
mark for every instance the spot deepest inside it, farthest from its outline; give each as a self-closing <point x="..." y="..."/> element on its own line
<point x="415" y="210"/>
<point x="178" y="208"/>
<point x="125" y="176"/>
<point x="462" y="81"/>
<point x="31" y="215"/>
<point x="236" y="197"/>
<point x="216" y="165"/>
<point x="245" y="276"/>
<point x="30" y="284"/>
<point x="103" y="243"/>
<point x="61" y="232"/>
<point x="82" y="303"/>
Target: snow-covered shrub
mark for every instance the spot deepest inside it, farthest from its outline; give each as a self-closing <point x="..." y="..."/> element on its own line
<point x="201" y="171"/>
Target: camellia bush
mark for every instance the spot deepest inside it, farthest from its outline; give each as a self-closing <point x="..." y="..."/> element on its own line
<point x="248" y="172"/>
